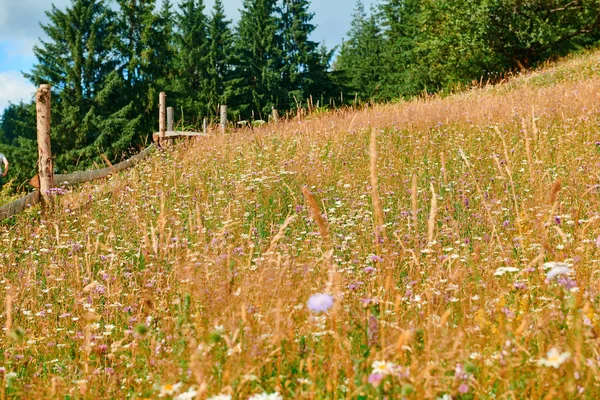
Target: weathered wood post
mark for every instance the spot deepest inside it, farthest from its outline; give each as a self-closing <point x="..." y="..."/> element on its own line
<point x="170" y="121"/>
<point x="205" y="125"/>
<point x="223" y="118"/>
<point x="45" y="167"/>
<point x="162" y="100"/>
<point x="274" y="114"/>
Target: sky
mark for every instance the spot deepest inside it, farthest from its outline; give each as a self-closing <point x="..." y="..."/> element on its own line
<point x="20" y="31"/>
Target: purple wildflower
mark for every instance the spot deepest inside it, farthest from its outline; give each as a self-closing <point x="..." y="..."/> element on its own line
<point x="566" y="282"/>
<point x="520" y="285"/>
<point x="459" y="372"/>
<point x="509" y="314"/>
<point x="320" y="302"/>
<point x="375" y="379"/>
<point x="376" y="258"/>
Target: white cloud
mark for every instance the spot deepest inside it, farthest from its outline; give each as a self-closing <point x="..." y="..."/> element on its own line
<point x="14" y="88"/>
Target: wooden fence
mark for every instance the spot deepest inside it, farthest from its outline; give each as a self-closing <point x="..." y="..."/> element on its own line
<point x="46" y="180"/>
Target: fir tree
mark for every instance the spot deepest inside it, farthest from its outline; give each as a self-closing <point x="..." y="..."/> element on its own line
<point x="136" y="29"/>
<point x="140" y="46"/>
<point x="18" y="138"/>
<point x="258" y="82"/>
<point x="219" y="58"/>
<point x="360" y="56"/>
<point x="400" y="20"/>
<point x="165" y="53"/>
<point x="192" y="58"/>
<point x="78" y="61"/>
<point x="304" y="68"/>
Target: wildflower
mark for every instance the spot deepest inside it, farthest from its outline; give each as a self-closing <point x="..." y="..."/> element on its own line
<point x="556" y="268"/>
<point x="376" y="258"/>
<point x="375" y="379"/>
<point x="459" y="372"/>
<point x="320" y="302"/>
<point x="220" y="397"/>
<point x="168" y="390"/>
<point x="566" y="282"/>
<point x="266" y="396"/>
<point x="502" y="270"/>
<point x="463" y="388"/>
<point x="554" y="358"/>
<point x="10" y="378"/>
<point x="520" y="285"/>
<point x="383" y="367"/>
<point x="191" y="394"/>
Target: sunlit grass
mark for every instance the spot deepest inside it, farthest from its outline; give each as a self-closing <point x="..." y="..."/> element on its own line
<point x="191" y="272"/>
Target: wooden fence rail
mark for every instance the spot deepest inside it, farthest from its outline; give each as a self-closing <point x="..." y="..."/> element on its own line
<point x="86" y="176"/>
<point x="37" y="196"/>
<point x="10" y="209"/>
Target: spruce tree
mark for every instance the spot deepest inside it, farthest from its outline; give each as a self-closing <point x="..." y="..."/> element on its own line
<point x="165" y="53"/>
<point x="18" y="140"/>
<point x="257" y="86"/>
<point x="192" y="58"/>
<point x="359" y="61"/>
<point x="304" y="69"/>
<point x="219" y="58"/>
<point x="136" y="25"/>
<point x="400" y="20"/>
<point x="79" y="62"/>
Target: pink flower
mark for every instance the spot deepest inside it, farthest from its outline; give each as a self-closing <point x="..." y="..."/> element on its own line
<point x="375" y="379"/>
<point x="320" y="302"/>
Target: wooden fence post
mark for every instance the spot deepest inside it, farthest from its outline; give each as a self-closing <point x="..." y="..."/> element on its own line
<point x="223" y="118"/>
<point x="45" y="165"/>
<point x="170" y="119"/>
<point x="162" y="100"/>
<point x="205" y="125"/>
<point x="275" y="114"/>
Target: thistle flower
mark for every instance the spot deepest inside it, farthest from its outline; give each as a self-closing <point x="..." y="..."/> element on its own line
<point x="320" y="302"/>
<point x="375" y="379"/>
<point x="555" y="269"/>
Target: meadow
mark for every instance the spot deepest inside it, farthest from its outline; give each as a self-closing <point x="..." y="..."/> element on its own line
<point x="454" y="244"/>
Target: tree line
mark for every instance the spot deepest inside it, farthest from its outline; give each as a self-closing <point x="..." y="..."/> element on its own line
<point x="402" y="48"/>
<point x="107" y="62"/>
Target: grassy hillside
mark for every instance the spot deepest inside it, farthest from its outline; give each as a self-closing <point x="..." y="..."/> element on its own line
<point x="432" y="224"/>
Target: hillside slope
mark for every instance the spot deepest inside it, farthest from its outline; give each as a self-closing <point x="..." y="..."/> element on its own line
<point x="191" y="272"/>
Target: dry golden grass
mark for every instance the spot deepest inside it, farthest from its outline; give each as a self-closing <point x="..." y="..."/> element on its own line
<point x="428" y="222"/>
